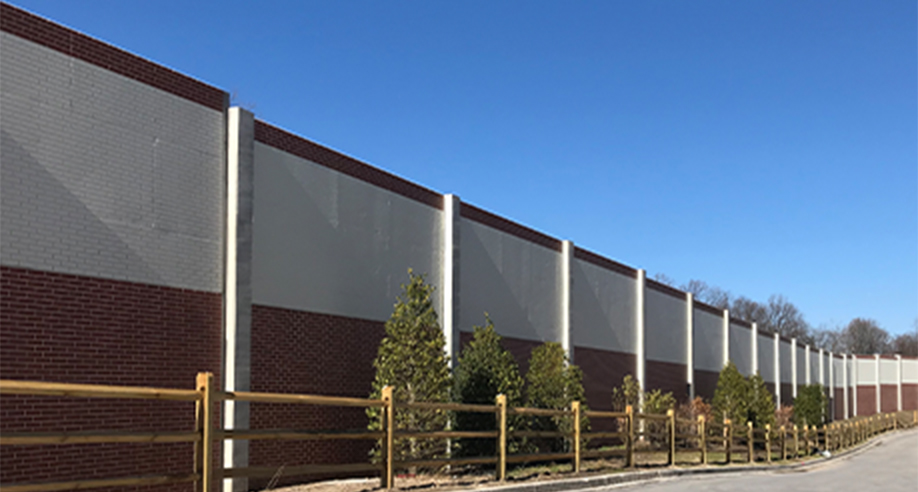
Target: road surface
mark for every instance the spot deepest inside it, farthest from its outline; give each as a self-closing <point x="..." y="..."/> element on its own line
<point x="891" y="466"/>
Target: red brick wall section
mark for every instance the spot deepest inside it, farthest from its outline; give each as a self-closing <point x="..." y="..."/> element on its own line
<point x="303" y="352"/>
<point x="668" y="377"/>
<point x="866" y="400"/>
<point x="889" y="398"/>
<point x="603" y="370"/>
<point x="910" y="397"/>
<point x="705" y="383"/>
<point x="839" y="403"/>
<point x="787" y="394"/>
<point x="76" y="329"/>
<point x="77" y="45"/>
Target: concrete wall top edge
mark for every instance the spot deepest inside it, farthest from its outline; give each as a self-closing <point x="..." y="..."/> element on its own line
<point x="502" y="224"/>
<point x="664" y="289"/>
<point x="294" y="144"/>
<point x="57" y="37"/>
<point x="603" y="262"/>
<point x="708" y="308"/>
<point x="741" y="322"/>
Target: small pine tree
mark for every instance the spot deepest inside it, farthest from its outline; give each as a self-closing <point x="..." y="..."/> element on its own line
<point x="629" y="393"/>
<point x="553" y="383"/>
<point x="731" y="396"/>
<point x="810" y="405"/>
<point x="761" y="402"/>
<point x="412" y="359"/>
<point x="485" y="370"/>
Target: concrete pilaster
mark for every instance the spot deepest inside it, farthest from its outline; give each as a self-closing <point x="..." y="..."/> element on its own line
<point x="845" y="388"/>
<point x="237" y="293"/>
<point x="640" y="351"/>
<point x="726" y="328"/>
<point x="777" y="370"/>
<point x="755" y="348"/>
<point x="793" y="358"/>
<point x="898" y="383"/>
<point x="690" y="344"/>
<point x="450" y="264"/>
<point x="567" y="259"/>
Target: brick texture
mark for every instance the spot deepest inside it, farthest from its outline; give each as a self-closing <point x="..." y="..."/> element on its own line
<point x="301" y="147"/>
<point x="889" y="398"/>
<point x="69" y="328"/>
<point x="866" y="400"/>
<point x="839" y="403"/>
<point x="78" y="45"/>
<point x="667" y="376"/>
<point x="705" y="383"/>
<point x="910" y="397"/>
<point x="311" y="353"/>
<point x="787" y="394"/>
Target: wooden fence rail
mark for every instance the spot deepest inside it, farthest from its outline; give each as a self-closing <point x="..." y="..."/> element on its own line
<point x="636" y="434"/>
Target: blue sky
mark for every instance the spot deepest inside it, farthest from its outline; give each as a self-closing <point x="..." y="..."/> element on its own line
<point x="763" y="147"/>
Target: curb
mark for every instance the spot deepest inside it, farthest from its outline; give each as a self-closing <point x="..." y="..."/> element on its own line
<point x="584" y="483"/>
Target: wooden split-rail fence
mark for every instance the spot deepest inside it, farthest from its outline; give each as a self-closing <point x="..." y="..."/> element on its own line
<point x="637" y="434"/>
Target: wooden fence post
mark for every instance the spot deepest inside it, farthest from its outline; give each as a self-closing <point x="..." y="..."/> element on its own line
<point x="703" y="440"/>
<point x="205" y="422"/>
<point x="671" y="420"/>
<point x="750" y="438"/>
<point x="629" y="444"/>
<point x="768" y="443"/>
<point x="575" y="409"/>
<point x="728" y="441"/>
<point x="388" y="474"/>
<point x="783" y="443"/>
<point x="796" y="441"/>
<point x="502" y="437"/>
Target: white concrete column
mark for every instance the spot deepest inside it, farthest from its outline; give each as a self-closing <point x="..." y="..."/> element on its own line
<point x="845" y="389"/>
<point x="777" y="370"/>
<point x="832" y="384"/>
<point x="876" y="358"/>
<point x="640" y="352"/>
<point x="822" y="368"/>
<point x="450" y="265"/>
<point x="793" y="351"/>
<point x="809" y="365"/>
<point x="237" y="287"/>
<point x="854" y="376"/>
<point x="793" y="360"/>
<point x="726" y="327"/>
<point x="690" y="344"/>
<point x="755" y="348"/>
<point x="567" y="258"/>
<point x="898" y="383"/>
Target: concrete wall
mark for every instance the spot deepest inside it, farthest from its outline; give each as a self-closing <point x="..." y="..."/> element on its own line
<point x="517" y="282"/>
<point x="741" y="348"/>
<point x="814" y="366"/>
<point x="802" y="368"/>
<point x="105" y="176"/>
<point x="910" y="371"/>
<point x="708" y="341"/>
<point x="866" y="370"/>
<point x="787" y="374"/>
<point x="603" y="308"/>
<point x="330" y="243"/>
<point x="766" y="354"/>
<point x="839" y="370"/>
<point x="889" y="371"/>
<point x="664" y="316"/>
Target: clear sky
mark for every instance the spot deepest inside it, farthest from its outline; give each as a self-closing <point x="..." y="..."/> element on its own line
<point x="763" y="147"/>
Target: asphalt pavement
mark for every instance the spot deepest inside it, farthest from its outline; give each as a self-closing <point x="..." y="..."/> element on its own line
<point x="889" y="466"/>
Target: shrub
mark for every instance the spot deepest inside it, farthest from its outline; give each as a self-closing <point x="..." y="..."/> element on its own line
<point x="411" y="358"/>
<point x="784" y="415"/>
<point x="484" y="371"/>
<point x="691" y="411"/>
<point x="629" y="393"/>
<point x="731" y="396"/>
<point x="552" y="382"/>
<point x="761" y="409"/>
<point x="657" y="402"/>
<point x="810" y="405"/>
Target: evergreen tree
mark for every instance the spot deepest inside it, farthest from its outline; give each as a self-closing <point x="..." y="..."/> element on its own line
<point x="731" y="396"/>
<point x="412" y="359"/>
<point x="761" y="402"/>
<point x="485" y="370"/>
<point x="552" y="382"/>
<point x="810" y="405"/>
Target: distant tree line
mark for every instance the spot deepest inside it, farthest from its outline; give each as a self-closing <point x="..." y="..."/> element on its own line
<point x="779" y="315"/>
